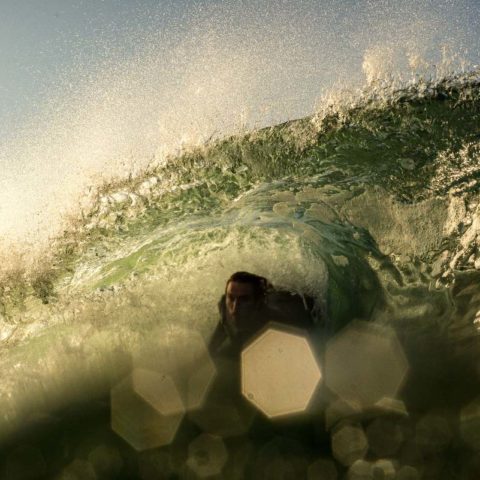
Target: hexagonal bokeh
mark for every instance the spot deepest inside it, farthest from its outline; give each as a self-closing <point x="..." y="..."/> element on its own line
<point x="224" y="418"/>
<point x="391" y="406"/>
<point x="279" y="373"/>
<point x="339" y="410"/>
<point x="349" y="443"/>
<point x="183" y="356"/>
<point x="384" y="469"/>
<point x="360" y="470"/>
<point x="207" y="455"/>
<point x="365" y="363"/>
<point x="78" y="470"/>
<point x="146" y="409"/>
<point x="407" y="473"/>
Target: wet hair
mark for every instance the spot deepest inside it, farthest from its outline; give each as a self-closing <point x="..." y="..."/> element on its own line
<point x="260" y="287"/>
<point x="260" y="284"/>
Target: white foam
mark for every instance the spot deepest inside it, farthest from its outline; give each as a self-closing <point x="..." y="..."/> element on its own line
<point x="221" y="69"/>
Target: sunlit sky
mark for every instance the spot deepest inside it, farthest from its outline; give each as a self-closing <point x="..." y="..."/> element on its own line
<point x="84" y="84"/>
<point x="42" y="42"/>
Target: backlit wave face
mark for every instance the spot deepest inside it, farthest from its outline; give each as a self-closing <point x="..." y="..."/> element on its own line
<point x="142" y="88"/>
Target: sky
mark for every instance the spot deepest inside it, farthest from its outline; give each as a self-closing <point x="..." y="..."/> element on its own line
<point x="44" y="44"/>
<point x="93" y="89"/>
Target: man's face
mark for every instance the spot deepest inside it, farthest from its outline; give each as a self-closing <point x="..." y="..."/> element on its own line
<point x="240" y="303"/>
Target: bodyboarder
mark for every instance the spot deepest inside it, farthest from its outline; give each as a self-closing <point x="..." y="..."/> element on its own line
<point x="245" y="309"/>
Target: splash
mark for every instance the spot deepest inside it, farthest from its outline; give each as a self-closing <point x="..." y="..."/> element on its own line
<point x="216" y="71"/>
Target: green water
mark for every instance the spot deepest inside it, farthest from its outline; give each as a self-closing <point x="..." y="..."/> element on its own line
<point x="370" y="208"/>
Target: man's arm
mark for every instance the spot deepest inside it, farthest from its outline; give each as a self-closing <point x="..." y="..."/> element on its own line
<point x="216" y="341"/>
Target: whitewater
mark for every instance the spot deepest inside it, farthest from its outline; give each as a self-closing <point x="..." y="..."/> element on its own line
<point x="369" y="204"/>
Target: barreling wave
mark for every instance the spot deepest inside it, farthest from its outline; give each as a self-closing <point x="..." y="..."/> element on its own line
<point x="370" y="206"/>
<point x="416" y="147"/>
